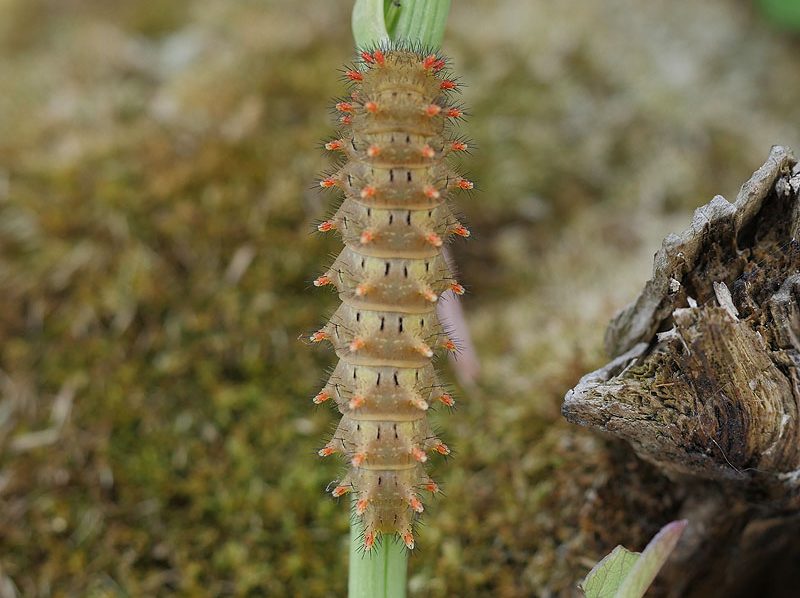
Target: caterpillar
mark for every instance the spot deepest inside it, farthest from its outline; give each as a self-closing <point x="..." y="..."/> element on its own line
<point x="394" y="221"/>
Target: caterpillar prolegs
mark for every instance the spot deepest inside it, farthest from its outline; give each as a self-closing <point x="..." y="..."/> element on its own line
<point x="394" y="221"/>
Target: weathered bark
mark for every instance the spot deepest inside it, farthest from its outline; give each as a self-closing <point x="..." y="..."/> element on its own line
<point x="704" y="382"/>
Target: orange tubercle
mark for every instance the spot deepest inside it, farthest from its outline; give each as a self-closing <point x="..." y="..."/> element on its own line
<point x="462" y="231"/>
<point x="431" y="192"/>
<point x="347" y="119"/>
<point x="457" y="288"/>
<point x="376" y="57"/>
<point x="361" y="506"/>
<point x="326" y="226"/>
<point x="458" y="146"/>
<point x="369" y="540"/>
<point x="340" y="491"/>
<point x="442" y="449"/>
<point x="432" y="63"/>
<point x="356" y="402"/>
<point x="354" y="76"/>
<point x="419" y="403"/>
<point x="434" y="239"/>
<point x="368" y="191"/>
<point x="327" y="183"/>
<point x="357" y="344"/>
<point x="326" y="452"/>
<point x="432" y="109"/>
<point x="419" y="454"/>
<point x="373" y="150"/>
<point x="367" y="237"/>
<point x="424" y="350"/>
<point x="318" y="336"/>
<point x="432" y="486"/>
<point x="371" y="107"/>
<point x="465" y="184"/>
<point x="430" y="295"/>
<point x="358" y="459"/>
<point x="336" y="144"/>
<point x="321" y="281"/>
<point x="447" y="84"/>
<point x="344" y="107"/>
<point x="454" y="113"/>
<point x="362" y="289"/>
<point x="416" y="504"/>
<point x="428" y="152"/>
<point x="447" y="399"/>
<point x="449" y="345"/>
<point x="408" y="540"/>
<point x="321" y="397"/>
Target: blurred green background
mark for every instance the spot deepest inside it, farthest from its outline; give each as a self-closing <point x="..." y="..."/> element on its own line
<point x="157" y="161"/>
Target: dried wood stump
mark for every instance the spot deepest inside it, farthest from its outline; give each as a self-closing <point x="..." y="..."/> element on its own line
<point x="704" y="383"/>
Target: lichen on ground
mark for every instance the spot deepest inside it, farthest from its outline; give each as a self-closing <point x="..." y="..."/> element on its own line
<point x="156" y="431"/>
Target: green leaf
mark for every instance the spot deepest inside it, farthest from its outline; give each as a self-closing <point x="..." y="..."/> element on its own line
<point x="607" y="576"/>
<point x="421" y="21"/>
<point x="626" y="574"/>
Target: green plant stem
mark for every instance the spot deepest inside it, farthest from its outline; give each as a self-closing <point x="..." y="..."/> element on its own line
<point x="380" y="573"/>
<point x="378" y="21"/>
<point x="421" y="21"/>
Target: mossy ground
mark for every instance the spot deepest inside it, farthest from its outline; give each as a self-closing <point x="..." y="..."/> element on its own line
<point x="156" y="248"/>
